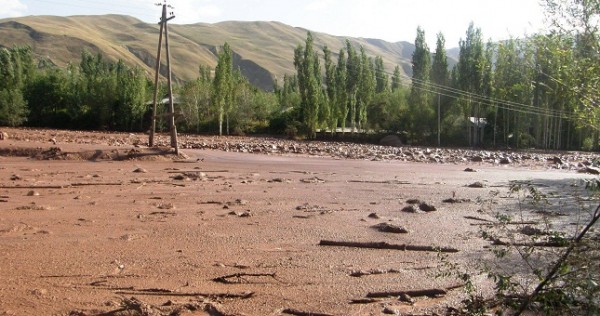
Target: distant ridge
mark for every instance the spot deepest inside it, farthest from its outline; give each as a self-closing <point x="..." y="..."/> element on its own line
<point x="264" y="51"/>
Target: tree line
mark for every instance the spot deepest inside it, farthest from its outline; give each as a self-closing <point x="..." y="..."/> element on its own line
<point x="537" y="92"/>
<point x="540" y="91"/>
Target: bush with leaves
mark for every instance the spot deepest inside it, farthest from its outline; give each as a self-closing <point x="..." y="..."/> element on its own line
<point x="535" y="266"/>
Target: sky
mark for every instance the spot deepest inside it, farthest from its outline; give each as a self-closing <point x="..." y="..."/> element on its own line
<point x="390" y="20"/>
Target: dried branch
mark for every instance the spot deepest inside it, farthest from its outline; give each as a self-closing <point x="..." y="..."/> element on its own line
<point x="153" y="292"/>
<point x="239" y="277"/>
<point x="411" y="293"/>
<point x="296" y="312"/>
<point x="361" y="273"/>
<point x="385" y="245"/>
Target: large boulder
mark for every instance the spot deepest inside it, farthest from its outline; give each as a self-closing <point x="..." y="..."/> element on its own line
<point x="391" y="140"/>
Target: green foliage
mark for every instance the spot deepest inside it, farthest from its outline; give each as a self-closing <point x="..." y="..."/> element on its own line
<point x="565" y="277"/>
<point x="13" y="109"/>
<point x="381" y="77"/>
<point x="396" y="81"/>
<point x="196" y="102"/>
<point x="308" y="69"/>
<point x="329" y="110"/>
<point x="16" y="71"/>
<point x="421" y="111"/>
<point x="222" y="92"/>
<point x="541" y="91"/>
<point x="341" y="94"/>
<point x="366" y="88"/>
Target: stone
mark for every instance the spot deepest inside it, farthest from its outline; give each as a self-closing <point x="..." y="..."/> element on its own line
<point x="409" y="209"/>
<point x="591" y="170"/>
<point x="427" y="207"/>
<point x="476" y="185"/>
<point x="413" y="201"/>
<point x="557" y="160"/>
<point x="476" y="159"/>
<point x="531" y="231"/>
<point x="390" y="228"/>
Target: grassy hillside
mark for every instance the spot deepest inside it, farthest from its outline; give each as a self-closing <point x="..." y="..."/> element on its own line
<point x="263" y="50"/>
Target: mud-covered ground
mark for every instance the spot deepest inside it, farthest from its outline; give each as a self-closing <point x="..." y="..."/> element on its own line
<point x="98" y="224"/>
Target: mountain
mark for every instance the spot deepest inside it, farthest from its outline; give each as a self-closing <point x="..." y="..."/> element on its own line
<point x="264" y="51"/>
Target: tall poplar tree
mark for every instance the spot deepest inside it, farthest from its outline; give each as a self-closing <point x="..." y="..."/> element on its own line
<point x="396" y="80"/>
<point x="420" y="97"/>
<point x="381" y="76"/>
<point x="222" y="85"/>
<point x="469" y="76"/>
<point x="341" y="94"/>
<point x="440" y="78"/>
<point x="306" y="61"/>
<point x="366" y="88"/>
<point x="353" y="71"/>
<point x="330" y="115"/>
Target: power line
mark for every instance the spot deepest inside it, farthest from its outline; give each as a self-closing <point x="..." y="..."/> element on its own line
<point x="456" y="94"/>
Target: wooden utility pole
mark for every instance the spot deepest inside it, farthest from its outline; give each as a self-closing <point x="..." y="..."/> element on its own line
<point x="171" y="115"/>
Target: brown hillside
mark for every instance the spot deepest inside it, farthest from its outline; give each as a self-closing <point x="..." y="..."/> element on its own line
<point x="263" y="50"/>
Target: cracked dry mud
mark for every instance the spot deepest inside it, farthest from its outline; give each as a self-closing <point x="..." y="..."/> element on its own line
<point x="99" y="230"/>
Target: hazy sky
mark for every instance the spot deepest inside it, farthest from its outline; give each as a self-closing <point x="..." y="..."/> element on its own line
<point x="391" y="20"/>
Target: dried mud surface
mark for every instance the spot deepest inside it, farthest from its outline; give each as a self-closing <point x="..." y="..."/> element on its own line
<point x="97" y="224"/>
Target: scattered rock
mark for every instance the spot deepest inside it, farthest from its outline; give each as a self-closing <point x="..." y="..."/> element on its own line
<point x="455" y="200"/>
<point x="374" y="215"/>
<point x="413" y="201"/>
<point x="166" y="206"/>
<point x="531" y="231"/>
<point x="140" y="170"/>
<point x="476" y="159"/>
<point x="312" y="180"/>
<point x="245" y="214"/>
<point x="557" y="160"/>
<point x="470" y="170"/>
<point x="280" y="180"/>
<point x="590" y="170"/>
<point x="505" y="161"/>
<point x="3" y="136"/>
<point x="409" y="209"/>
<point x="406" y="298"/>
<point x="33" y="193"/>
<point x="427" y="207"/>
<point x="16" y="177"/>
<point x="390" y="311"/>
<point x="476" y="185"/>
<point x="242" y="214"/>
<point x="390" y="228"/>
<point x="180" y="177"/>
<point x="39" y="292"/>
